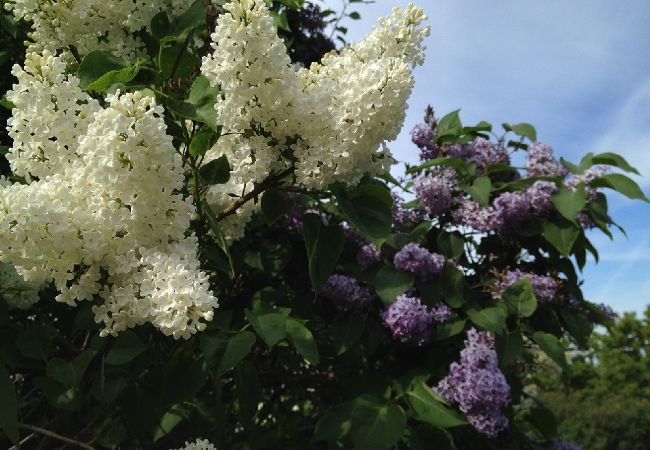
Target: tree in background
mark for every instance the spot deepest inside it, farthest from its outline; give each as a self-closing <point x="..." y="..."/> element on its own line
<point x="603" y="400"/>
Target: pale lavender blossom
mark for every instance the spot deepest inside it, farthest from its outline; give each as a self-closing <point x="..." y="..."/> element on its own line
<point x="418" y="260"/>
<point x="441" y="312"/>
<point x="368" y="255"/>
<point x="423" y="136"/>
<point x="346" y="293"/>
<point x="404" y="217"/>
<point x="540" y="197"/>
<point x="542" y="163"/>
<point x="471" y="214"/>
<point x="434" y="190"/>
<point x="409" y="320"/>
<point x="607" y="310"/>
<point x="545" y="288"/>
<point x="476" y="384"/>
<point x="512" y="208"/>
<point x="481" y="152"/>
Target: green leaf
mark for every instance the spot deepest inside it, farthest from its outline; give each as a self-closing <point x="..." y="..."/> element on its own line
<point x="216" y="171"/>
<point x="8" y="406"/>
<point x="552" y="346"/>
<point x="271" y="327"/>
<point x="569" y="203"/>
<point x="248" y="392"/>
<point x="202" y="142"/>
<point x="491" y="319"/>
<point x="334" y="424"/>
<point x="218" y="235"/>
<point x="520" y="298"/>
<point x="238" y="347"/>
<point x="303" y="341"/>
<point x="449" y="125"/>
<point x="170" y="420"/>
<point x="354" y="15"/>
<point x="452" y="285"/>
<point x="275" y="205"/>
<point x="613" y="159"/>
<point x="452" y="245"/>
<point x="324" y="247"/>
<point x="8" y="23"/>
<point x="193" y="17"/>
<point x="390" y="282"/>
<point x="96" y="64"/>
<point x="578" y="325"/>
<point x="347" y="332"/>
<point x="428" y="407"/>
<point x="204" y="98"/>
<point x="119" y="76"/>
<point x="480" y="190"/>
<point x="525" y="130"/>
<point x="5" y="103"/>
<point x="369" y="208"/>
<point x="562" y="236"/>
<point x="462" y="167"/>
<point x="449" y="329"/>
<point x="160" y="25"/>
<point x="622" y="184"/>
<point x="173" y="58"/>
<point x="126" y="348"/>
<point x="376" y="426"/>
<point x="509" y="347"/>
<point x="543" y="419"/>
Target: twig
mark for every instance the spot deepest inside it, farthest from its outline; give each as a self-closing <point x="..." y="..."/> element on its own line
<point x="55" y="435"/>
<point x="25" y="439"/>
<point x="270" y="181"/>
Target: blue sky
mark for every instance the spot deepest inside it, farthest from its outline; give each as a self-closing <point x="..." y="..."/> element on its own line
<point x="578" y="70"/>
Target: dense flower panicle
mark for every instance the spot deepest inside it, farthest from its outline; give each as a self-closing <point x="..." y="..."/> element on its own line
<point x="481" y="152"/>
<point x="559" y="444"/>
<point x="346" y="293"/>
<point x="435" y="190"/>
<point x="51" y="113"/>
<point x="471" y="214"/>
<point x="545" y="288"/>
<point x="409" y="320"/>
<point x="403" y="217"/>
<point x="423" y="136"/>
<point x="476" y="384"/>
<point x="199" y="444"/>
<point x="441" y="313"/>
<point x="542" y="163"/>
<point x="17" y="292"/>
<point x="334" y="125"/>
<point x="91" y="24"/>
<point x="368" y="255"/>
<point x="418" y="260"/>
<point x="109" y="223"/>
<point x="512" y="208"/>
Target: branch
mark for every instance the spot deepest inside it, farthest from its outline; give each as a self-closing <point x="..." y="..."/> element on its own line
<point x="55" y="436"/>
<point x="270" y="181"/>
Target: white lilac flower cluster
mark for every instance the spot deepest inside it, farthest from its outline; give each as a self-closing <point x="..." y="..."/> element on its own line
<point x="199" y="444"/>
<point x="91" y="24"/>
<point x="17" y="292"/>
<point x="330" y="122"/>
<point x="104" y="220"/>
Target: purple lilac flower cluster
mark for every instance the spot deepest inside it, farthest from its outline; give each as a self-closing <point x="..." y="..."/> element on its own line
<point x="477" y="385"/>
<point x="542" y="163"/>
<point x="471" y="214"/>
<point x="409" y="320"/>
<point x="423" y="135"/>
<point x="346" y="293"/>
<point x="481" y="152"/>
<point x="418" y="260"/>
<point x="559" y="444"/>
<point x="545" y="288"/>
<point x="368" y="255"/>
<point x="441" y="312"/>
<point x="510" y="209"/>
<point x="404" y="217"/>
<point x="435" y="190"/>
